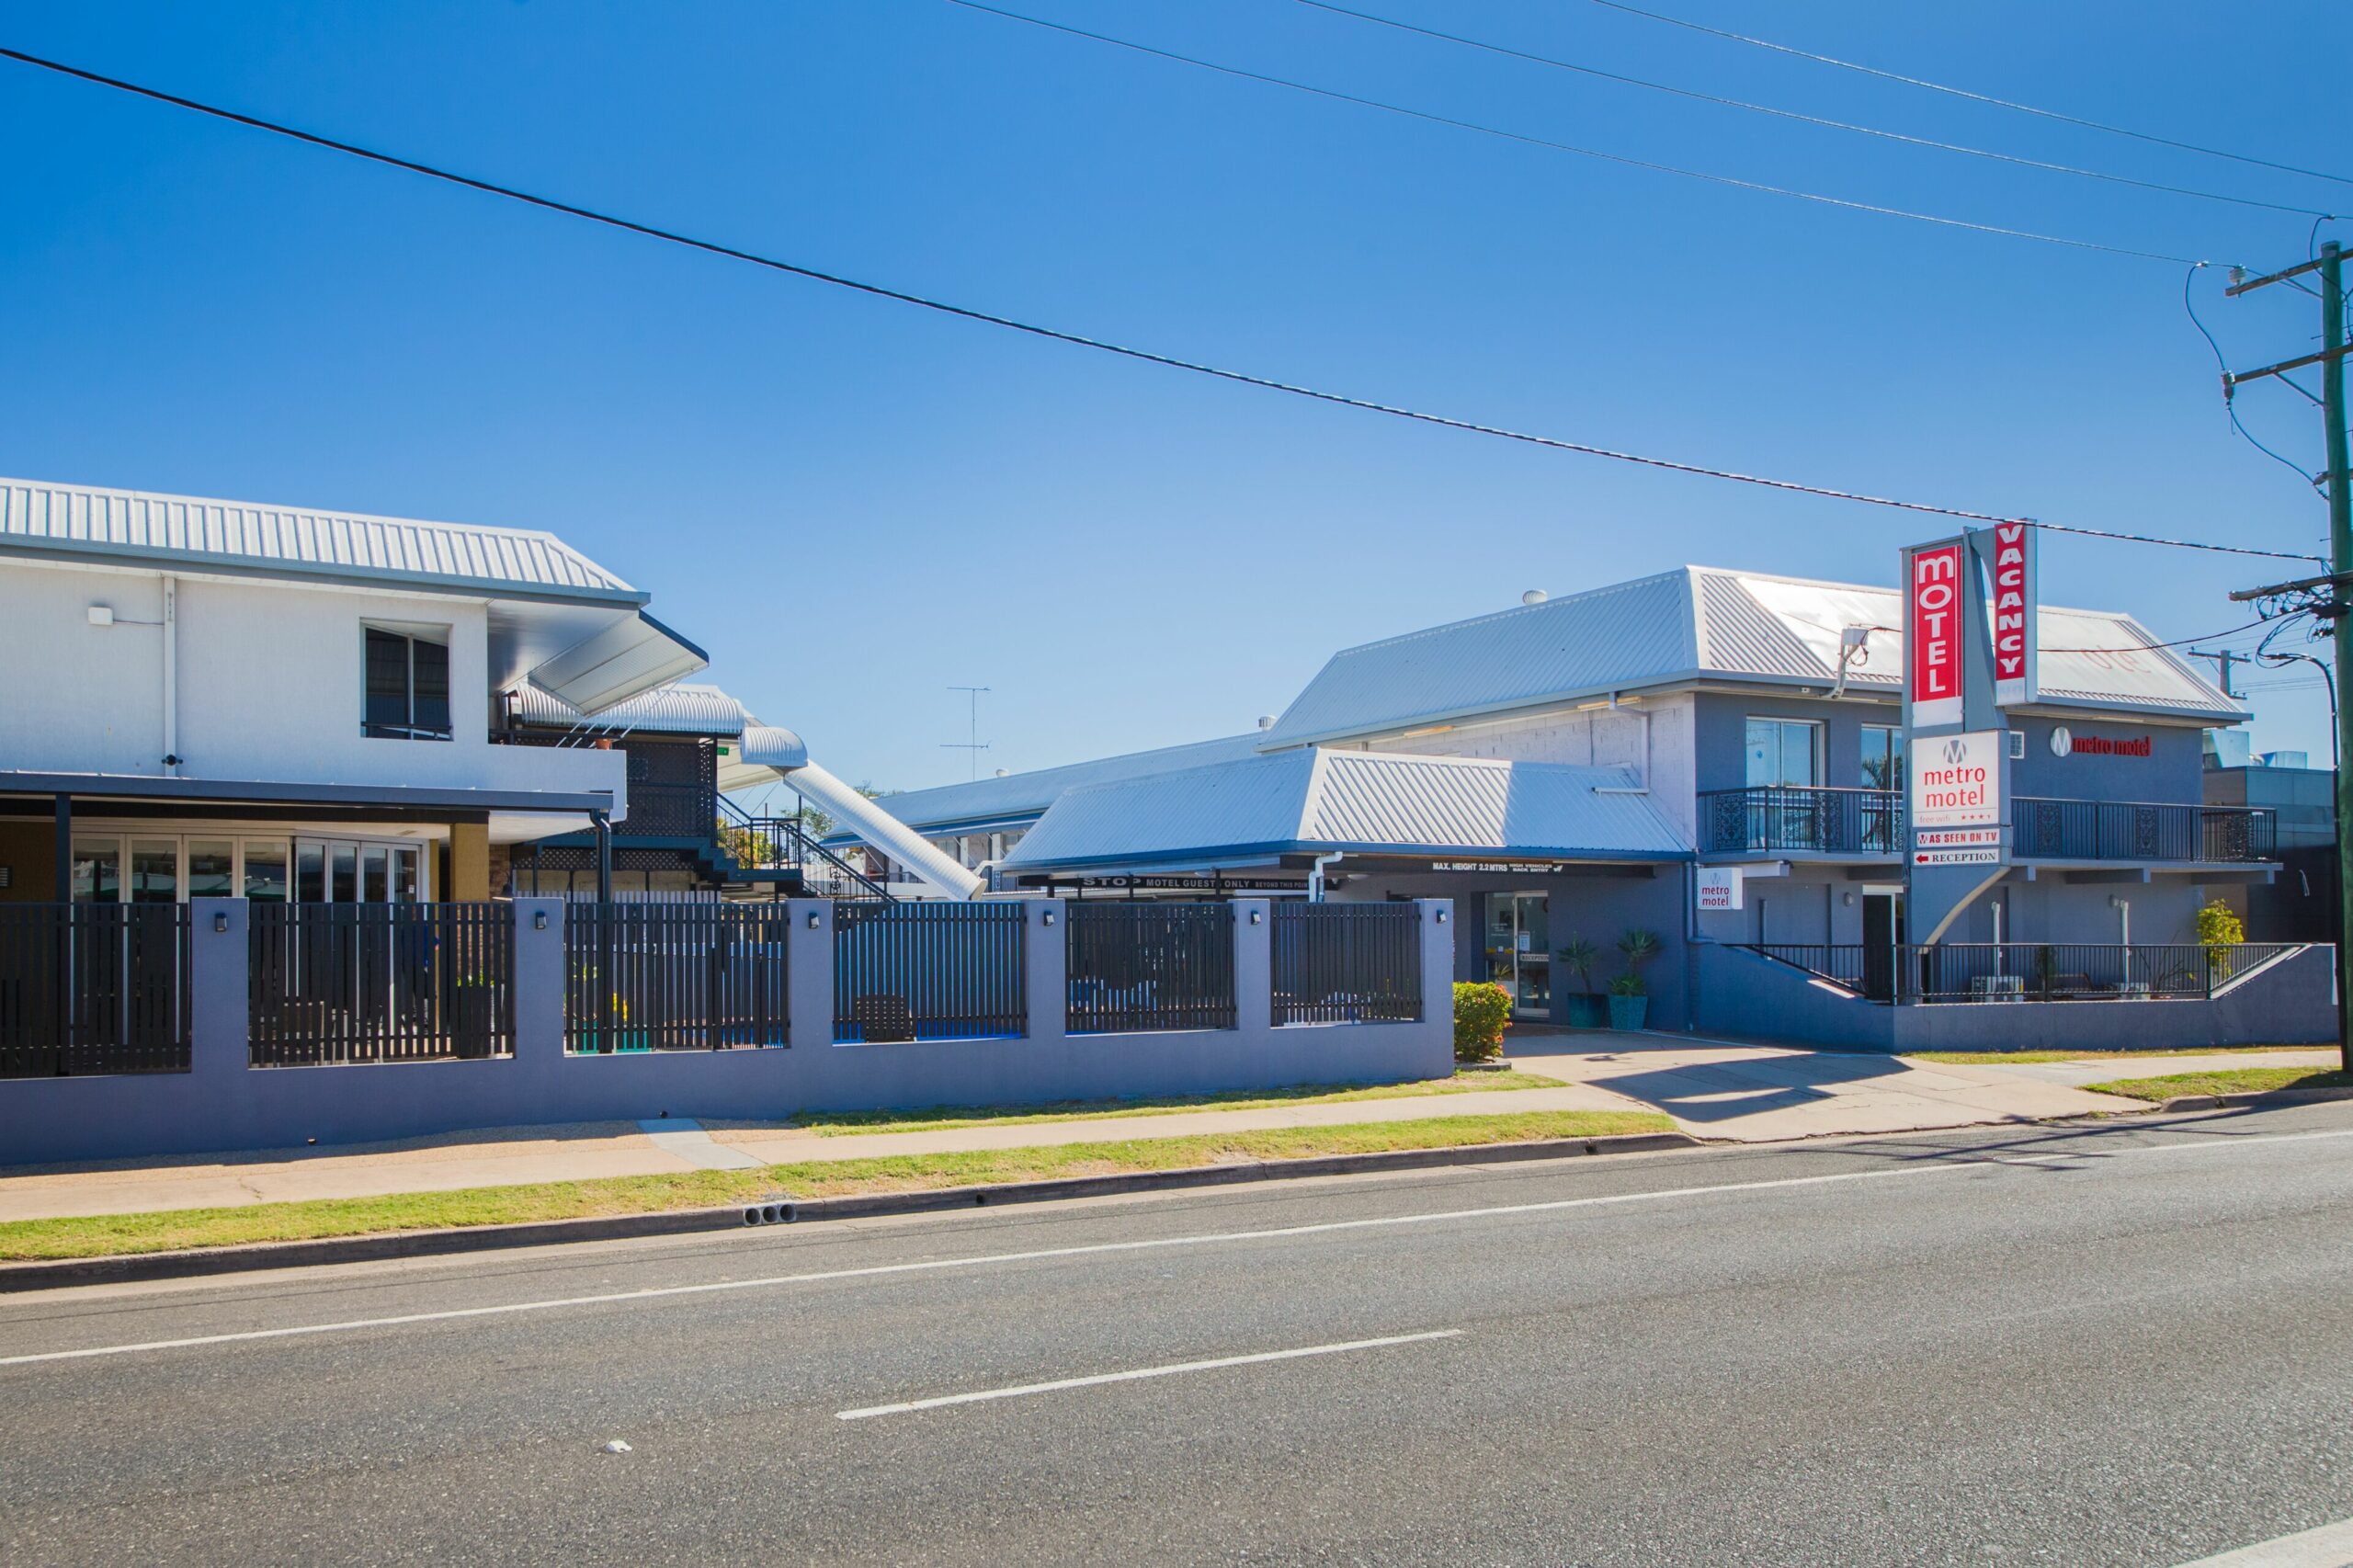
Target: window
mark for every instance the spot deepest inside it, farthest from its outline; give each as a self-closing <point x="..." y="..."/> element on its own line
<point x="408" y="687"/>
<point x="1882" y="757"/>
<point x="1784" y="751"/>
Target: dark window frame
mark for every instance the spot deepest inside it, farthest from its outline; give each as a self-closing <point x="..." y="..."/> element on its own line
<point x="398" y="695"/>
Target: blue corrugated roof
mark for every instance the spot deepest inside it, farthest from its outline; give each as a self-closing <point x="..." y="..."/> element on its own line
<point x="1310" y="800"/>
<point x="1018" y="797"/>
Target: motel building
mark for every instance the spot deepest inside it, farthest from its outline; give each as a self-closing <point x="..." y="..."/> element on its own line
<point x="1716" y="758"/>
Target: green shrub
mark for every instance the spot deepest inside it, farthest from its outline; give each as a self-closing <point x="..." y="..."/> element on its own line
<point x="1482" y="1013"/>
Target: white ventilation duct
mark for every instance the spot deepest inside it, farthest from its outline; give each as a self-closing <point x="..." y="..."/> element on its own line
<point x="770" y="753"/>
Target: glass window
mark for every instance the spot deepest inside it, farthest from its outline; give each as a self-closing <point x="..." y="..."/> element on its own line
<point x="98" y="870"/>
<point x="265" y="872"/>
<point x="212" y="869"/>
<point x="155" y="870"/>
<point x="407" y="687"/>
<point x="310" y="874"/>
<point x="1882" y="757"/>
<point x="375" y="874"/>
<point x="404" y="885"/>
<point x="343" y="873"/>
<point x="1783" y="751"/>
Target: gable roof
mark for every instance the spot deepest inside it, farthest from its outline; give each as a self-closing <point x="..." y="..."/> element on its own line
<point x="86" y="524"/>
<point x="1308" y="799"/>
<point x="1700" y="623"/>
<point x="984" y="803"/>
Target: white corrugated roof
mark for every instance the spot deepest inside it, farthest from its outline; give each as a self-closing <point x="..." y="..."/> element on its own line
<point x="81" y="522"/>
<point x="1309" y="799"/>
<point x="1700" y="622"/>
<point x="681" y="709"/>
<point x="1020" y="795"/>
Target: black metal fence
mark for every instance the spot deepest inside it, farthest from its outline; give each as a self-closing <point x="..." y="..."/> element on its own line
<point x="1849" y="821"/>
<point x="2041" y="828"/>
<point x="1347" y="963"/>
<point x="333" y="983"/>
<point x="2025" y="971"/>
<point x="685" y="976"/>
<point x="1134" y="967"/>
<point x="91" y="988"/>
<point x="906" y="972"/>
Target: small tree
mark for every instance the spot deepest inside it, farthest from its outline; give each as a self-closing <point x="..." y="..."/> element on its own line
<point x="2219" y="930"/>
<point x="1482" y="1013"/>
<point x="1638" y="946"/>
<point x="1578" y="953"/>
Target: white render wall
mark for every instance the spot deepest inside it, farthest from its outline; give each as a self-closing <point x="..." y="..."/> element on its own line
<point x="269" y="683"/>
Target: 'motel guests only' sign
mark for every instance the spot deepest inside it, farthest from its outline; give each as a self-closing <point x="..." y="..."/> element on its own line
<point x="1932" y="633"/>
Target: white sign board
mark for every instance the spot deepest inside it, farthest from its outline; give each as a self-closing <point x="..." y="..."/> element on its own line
<point x="1957" y="780"/>
<point x="1718" y="888"/>
<point x="1987" y="855"/>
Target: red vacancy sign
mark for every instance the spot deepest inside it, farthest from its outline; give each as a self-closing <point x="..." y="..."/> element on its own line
<point x="2013" y="614"/>
<point x="1932" y="633"/>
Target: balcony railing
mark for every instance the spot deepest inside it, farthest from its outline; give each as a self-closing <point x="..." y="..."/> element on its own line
<point x="1871" y="822"/>
<point x="1786" y="817"/>
<point x="2043" y="829"/>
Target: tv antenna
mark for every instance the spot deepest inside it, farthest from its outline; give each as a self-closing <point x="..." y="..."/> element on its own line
<point x="972" y="745"/>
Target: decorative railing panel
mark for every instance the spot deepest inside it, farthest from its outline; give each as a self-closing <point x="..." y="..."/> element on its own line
<point x="1136" y="967"/>
<point x="1347" y="963"/>
<point x="907" y="971"/>
<point x="92" y="988"/>
<point x="674" y="976"/>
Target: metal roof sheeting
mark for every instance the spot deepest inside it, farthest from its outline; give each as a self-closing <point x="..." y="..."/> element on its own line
<point x="83" y="521"/>
<point x="1700" y="623"/>
<point x="1020" y="795"/>
<point x="681" y="709"/>
<point x="1310" y="799"/>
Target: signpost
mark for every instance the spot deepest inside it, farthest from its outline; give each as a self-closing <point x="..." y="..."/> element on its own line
<point x="1718" y="888"/>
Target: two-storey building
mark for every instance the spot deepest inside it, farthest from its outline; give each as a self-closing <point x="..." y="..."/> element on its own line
<point x="1638" y="739"/>
<point x="223" y="697"/>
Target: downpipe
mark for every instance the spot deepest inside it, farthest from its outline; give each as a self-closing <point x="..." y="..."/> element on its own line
<point x="1316" y="877"/>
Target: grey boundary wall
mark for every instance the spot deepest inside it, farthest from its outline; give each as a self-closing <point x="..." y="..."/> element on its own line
<point x="1751" y="997"/>
<point x="222" y="1105"/>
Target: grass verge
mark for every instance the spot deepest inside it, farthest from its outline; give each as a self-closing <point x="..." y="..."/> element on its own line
<point x="947" y="1119"/>
<point x="2237" y="1081"/>
<point x="107" y="1235"/>
<point x="2014" y="1058"/>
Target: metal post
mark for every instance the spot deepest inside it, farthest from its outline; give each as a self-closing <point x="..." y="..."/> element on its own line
<point x="608" y="949"/>
<point x="64" y="888"/>
<point x="604" y="829"/>
<point x="2340" y="556"/>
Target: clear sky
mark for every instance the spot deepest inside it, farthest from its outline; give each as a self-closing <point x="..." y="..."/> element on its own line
<point x="855" y="505"/>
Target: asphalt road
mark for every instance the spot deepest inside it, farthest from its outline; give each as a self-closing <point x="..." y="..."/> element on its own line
<point x="2124" y="1345"/>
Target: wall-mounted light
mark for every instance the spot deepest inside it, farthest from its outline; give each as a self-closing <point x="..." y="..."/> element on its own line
<point x="539" y="920"/>
<point x="1847" y="899"/>
<point x="1254" y="917"/>
<point x="815" y="920"/>
<point x="220" y="920"/>
<point x="1049" y="918"/>
<point x="1441" y="916"/>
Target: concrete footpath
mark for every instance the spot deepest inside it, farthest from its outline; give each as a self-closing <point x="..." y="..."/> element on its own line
<point x="1713" y="1089"/>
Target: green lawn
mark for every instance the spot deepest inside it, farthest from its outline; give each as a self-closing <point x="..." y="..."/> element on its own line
<point x="2014" y="1058"/>
<point x="943" y="1119"/>
<point x="2243" y="1080"/>
<point x="112" y="1234"/>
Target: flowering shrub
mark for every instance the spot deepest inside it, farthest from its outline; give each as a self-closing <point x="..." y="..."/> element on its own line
<point x="1482" y="1013"/>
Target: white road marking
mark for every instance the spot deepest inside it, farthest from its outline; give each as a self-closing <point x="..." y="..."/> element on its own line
<point x="1141" y="1372"/>
<point x="1326" y="1227"/>
<point x="2331" y="1546"/>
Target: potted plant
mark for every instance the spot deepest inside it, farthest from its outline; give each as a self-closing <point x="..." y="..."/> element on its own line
<point x="1584" y="1009"/>
<point x="474" y="1014"/>
<point x="1629" y="1006"/>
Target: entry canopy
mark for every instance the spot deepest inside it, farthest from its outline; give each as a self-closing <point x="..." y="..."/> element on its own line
<point x="1311" y="800"/>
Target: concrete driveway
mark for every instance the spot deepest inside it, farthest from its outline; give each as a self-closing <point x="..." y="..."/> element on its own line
<point x="1759" y="1094"/>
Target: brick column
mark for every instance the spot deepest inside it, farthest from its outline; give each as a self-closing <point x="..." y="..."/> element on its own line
<point x="1438" y="961"/>
<point x="809" y="956"/>
<point x="539" y="980"/>
<point x="1045" y="965"/>
<point x="216" y="986"/>
<point x="1254" y="996"/>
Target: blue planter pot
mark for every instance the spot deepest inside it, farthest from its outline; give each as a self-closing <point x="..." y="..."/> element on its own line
<point x="1628" y="1012"/>
<point x="1583" y="1009"/>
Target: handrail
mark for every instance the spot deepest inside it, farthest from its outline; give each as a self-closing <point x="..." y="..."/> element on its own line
<point x="797" y="848"/>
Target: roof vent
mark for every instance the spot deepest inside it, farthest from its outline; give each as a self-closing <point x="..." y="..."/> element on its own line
<point x="1534" y="596"/>
<point x="1003" y="773"/>
<point x="1266" y="720"/>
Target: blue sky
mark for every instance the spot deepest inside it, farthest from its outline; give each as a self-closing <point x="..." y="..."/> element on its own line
<point x="855" y="505"/>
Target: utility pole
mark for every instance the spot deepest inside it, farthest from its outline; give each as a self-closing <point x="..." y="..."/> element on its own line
<point x="2224" y="659"/>
<point x="2330" y="265"/>
<point x="972" y="742"/>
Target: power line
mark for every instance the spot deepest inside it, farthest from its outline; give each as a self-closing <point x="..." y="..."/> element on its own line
<point x="1057" y="334"/>
<point x="2230" y="403"/>
<point x="1965" y="93"/>
<point x="1569" y="147"/>
<point x="1809" y="119"/>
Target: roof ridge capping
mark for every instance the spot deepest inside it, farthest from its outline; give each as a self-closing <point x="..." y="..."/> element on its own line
<point x="1580" y="597"/>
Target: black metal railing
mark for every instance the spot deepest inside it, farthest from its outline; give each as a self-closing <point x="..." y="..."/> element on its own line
<point x="906" y="972"/>
<point x="2024" y="972"/>
<point x="92" y="988"/>
<point x="1347" y="963"/>
<point x="1137" y="967"/>
<point x="683" y="976"/>
<point x="1783" y="817"/>
<point x="785" y="845"/>
<point x="338" y="983"/>
<point x="2042" y="828"/>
